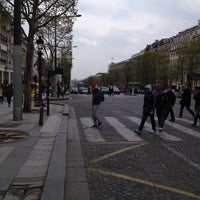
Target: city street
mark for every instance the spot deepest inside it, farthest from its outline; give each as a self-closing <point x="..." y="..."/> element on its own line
<point x="121" y="165"/>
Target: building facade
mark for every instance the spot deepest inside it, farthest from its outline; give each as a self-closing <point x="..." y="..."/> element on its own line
<point x="169" y="48"/>
<point x="6" y="47"/>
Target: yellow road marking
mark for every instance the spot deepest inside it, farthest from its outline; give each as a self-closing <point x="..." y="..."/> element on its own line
<point x="148" y="183"/>
<point x="117" y="152"/>
<point x="109" y="143"/>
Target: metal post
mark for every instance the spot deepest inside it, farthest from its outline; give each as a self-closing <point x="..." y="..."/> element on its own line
<point x="48" y="83"/>
<point x="40" y="77"/>
<point x="17" y="62"/>
<point x="41" y="115"/>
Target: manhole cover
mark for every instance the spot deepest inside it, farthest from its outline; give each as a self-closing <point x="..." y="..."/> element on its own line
<point x="11" y="136"/>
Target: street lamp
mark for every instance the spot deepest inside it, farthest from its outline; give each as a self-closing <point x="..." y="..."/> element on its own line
<point x="40" y="43"/>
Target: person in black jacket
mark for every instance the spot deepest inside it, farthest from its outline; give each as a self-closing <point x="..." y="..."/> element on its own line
<point x="95" y="105"/>
<point x="197" y="105"/>
<point x="148" y="109"/>
<point x="185" y="101"/>
<point x="172" y="100"/>
<point x="162" y="106"/>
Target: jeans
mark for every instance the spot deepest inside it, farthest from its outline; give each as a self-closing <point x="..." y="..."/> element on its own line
<point x="188" y="108"/>
<point x="161" y="114"/>
<point x="146" y="113"/>
<point x="170" y="110"/>
<point x="95" y="109"/>
<point x="197" y="114"/>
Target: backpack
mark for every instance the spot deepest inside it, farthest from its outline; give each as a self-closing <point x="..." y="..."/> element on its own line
<point x="101" y="96"/>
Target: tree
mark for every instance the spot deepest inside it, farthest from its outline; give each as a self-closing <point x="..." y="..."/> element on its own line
<point x="37" y="14"/>
<point x="189" y="59"/>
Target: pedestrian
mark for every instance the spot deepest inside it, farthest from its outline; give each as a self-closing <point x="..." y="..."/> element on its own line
<point x="172" y="101"/>
<point x="148" y="110"/>
<point x="162" y="106"/>
<point x="185" y="101"/>
<point x="1" y="94"/>
<point x="197" y="105"/>
<point x="95" y="105"/>
<point x="9" y="93"/>
<point x="111" y="91"/>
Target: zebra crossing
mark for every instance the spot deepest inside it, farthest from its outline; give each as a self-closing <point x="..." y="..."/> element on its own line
<point x="94" y="134"/>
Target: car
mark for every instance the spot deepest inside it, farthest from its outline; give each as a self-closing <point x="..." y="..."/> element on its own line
<point x="74" y="90"/>
<point x="105" y="90"/>
<point x="83" y="90"/>
<point x="116" y="90"/>
<point x="178" y="93"/>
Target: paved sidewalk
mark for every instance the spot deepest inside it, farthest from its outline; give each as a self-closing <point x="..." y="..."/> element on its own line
<point x="32" y="162"/>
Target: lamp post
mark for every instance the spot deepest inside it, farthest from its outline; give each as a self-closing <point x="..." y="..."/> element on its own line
<point x="55" y="51"/>
<point x="40" y="43"/>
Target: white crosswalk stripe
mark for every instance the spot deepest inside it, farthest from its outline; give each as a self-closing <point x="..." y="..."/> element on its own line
<point x="164" y="135"/>
<point x="92" y="134"/>
<point x="183" y="129"/>
<point x="122" y="130"/>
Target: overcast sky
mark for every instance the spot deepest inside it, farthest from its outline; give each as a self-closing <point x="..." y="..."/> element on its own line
<point x="114" y="30"/>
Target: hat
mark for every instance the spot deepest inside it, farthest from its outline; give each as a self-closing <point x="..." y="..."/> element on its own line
<point x="93" y="85"/>
<point x="148" y="87"/>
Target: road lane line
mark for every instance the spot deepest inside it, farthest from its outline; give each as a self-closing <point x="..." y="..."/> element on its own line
<point x="92" y="134"/>
<point x="162" y="134"/>
<point x="122" y="130"/>
<point x="182" y="156"/>
<point x="144" y="182"/>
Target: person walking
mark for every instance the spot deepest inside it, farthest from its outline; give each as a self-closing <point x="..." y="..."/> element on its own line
<point x="9" y="93"/>
<point x="185" y="101"/>
<point x="162" y="106"/>
<point x="95" y="105"/>
<point x="172" y="101"/>
<point x="1" y="94"/>
<point x="148" y="110"/>
<point x="197" y="105"/>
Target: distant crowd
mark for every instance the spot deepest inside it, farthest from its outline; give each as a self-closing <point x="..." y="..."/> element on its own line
<point x="6" y="91"/>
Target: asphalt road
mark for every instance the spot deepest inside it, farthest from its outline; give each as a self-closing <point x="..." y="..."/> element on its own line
<point x="121" y="165"/>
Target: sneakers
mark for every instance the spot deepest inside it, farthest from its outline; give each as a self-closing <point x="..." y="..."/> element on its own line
<point x="138" y="131"/>
<point x="160" y="129"/>
<point x="99" y="124"/>
<point x="153" y="131"/>
<point x="172" y="120"/>
<point x="194" y="124"/>
<point x="96" y="126"/>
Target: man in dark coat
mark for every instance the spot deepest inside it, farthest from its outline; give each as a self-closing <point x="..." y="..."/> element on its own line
<point x="148" y="109"/>
<point x="197" y="105"/>
<point x="186" y="101"/>
<point x="172" y="100"/>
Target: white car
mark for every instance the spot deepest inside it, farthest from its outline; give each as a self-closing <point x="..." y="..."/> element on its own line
<point x="83" y="90"/>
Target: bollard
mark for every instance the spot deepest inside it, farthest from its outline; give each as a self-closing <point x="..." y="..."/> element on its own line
<point x="47" y="105"/>
<point x="41" y="115"/>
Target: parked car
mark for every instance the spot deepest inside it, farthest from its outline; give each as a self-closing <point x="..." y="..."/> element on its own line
<point x="83" y="90"/>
